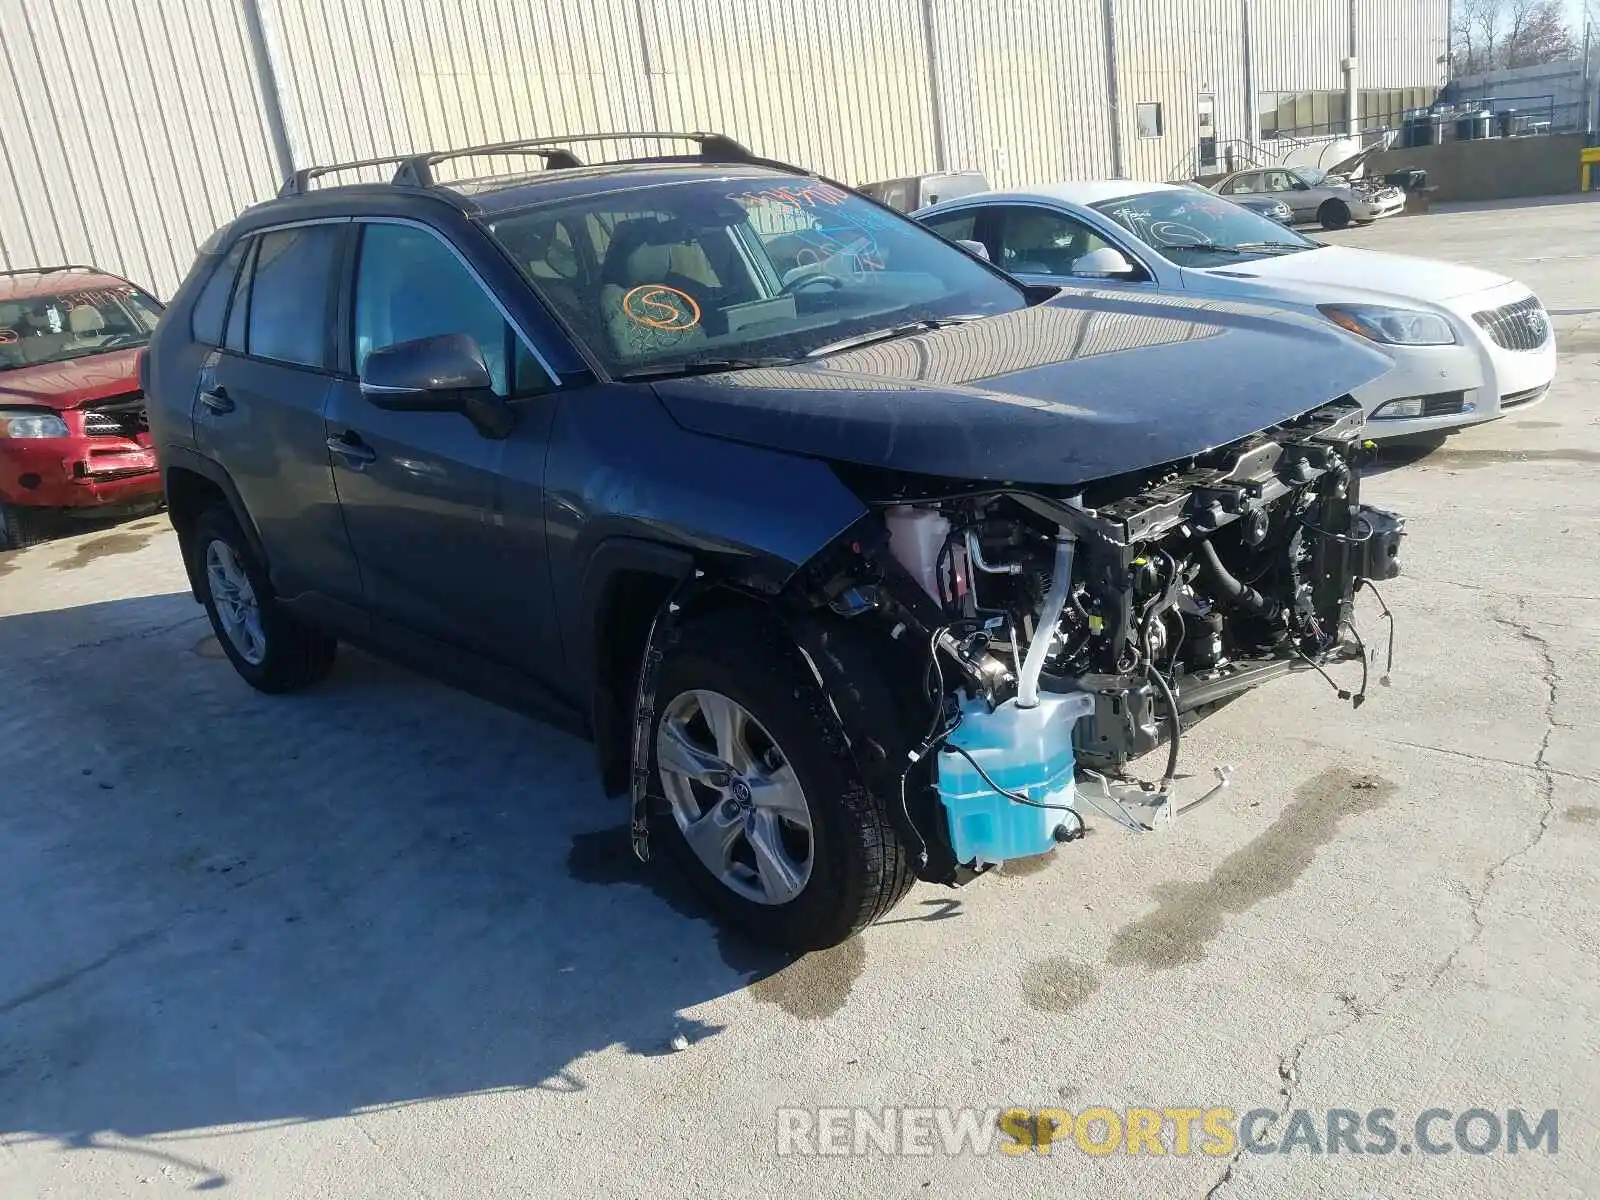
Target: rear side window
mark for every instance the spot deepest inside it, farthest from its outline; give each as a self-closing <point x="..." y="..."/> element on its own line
<point x="239" y="306"/>
<point x="288" y="318"/>
<point x="212" y="305"/>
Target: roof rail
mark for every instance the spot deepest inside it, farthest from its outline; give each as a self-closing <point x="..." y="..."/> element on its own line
<point x="417" y="171"/>
<point x="299" y="183"/>
<point x="54" y="270"/>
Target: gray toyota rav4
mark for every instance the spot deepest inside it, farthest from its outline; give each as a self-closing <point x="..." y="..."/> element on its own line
<point x="858" y="561"/>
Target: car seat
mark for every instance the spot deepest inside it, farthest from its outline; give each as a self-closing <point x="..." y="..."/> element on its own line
<point x="86" y="321"/>
<point x="647" y="253"/>
<point x="1039" y="250"/>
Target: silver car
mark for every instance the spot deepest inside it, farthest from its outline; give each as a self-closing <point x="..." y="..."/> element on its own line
<point x="1314" y="195"/>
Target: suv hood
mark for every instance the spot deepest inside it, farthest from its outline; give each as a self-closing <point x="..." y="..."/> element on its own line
<point x="64" y="385"/>
<point x="1087" y="385"/>
<point x="1343" y="267"/>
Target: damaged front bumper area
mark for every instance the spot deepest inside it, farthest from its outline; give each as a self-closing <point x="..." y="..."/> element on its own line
<point x="1024" y="646"/>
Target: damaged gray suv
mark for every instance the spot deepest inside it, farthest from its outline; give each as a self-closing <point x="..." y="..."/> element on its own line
<point x="858" y="561"/>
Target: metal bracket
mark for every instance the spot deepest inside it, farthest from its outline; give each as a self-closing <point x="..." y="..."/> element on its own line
<point x="1115" y="798"/>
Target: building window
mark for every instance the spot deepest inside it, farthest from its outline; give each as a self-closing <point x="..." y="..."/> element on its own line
<point x="1148" y="117"/>
<point x="1302" y="114"/>
<point x="1382" y="108"/>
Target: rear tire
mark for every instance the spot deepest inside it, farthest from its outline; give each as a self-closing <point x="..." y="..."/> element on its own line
<point x="1334" y="214"/>
<point x="272" y="650"/>
<point x="842" y="866"/>
<point x="20" y="527"/>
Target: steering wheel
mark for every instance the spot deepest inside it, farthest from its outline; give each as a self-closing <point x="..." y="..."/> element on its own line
<point x="794" y="285"/>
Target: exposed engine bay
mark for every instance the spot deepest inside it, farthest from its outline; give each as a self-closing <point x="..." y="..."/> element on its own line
<point x="1054" y="634"/>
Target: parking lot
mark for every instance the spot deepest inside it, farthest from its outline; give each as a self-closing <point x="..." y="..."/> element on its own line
<point x="383" y="939"/>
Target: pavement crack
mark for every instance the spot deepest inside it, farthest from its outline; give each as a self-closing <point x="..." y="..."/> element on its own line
<point x="1496" y="761"/>
<point x="70" y="977"/>
<point x="1355" y="1011"/>
<point x="1546" y="776"/>
<point x="134" y="635"/>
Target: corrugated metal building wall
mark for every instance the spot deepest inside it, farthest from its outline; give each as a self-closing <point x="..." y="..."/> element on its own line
<point x="1393" y="57"/>
<point x="1023" y="90"/>
<point x="1155" y="67"/>
<point x="1298" y="46"/>
<point x="129" y="129"/>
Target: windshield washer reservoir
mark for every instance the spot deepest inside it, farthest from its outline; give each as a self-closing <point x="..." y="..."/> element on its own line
<point x="1024" y="750"/>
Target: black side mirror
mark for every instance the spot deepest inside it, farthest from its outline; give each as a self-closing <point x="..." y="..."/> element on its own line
<point x="445" y="373"/>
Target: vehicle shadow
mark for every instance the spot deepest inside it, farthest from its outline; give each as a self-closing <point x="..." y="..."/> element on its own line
<point x="228" y="908"/>
<point x="1394" y="454"/>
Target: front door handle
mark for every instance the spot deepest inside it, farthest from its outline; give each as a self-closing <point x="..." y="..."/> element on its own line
<point x="217" y="400"/>
<point x="353" y="450"/>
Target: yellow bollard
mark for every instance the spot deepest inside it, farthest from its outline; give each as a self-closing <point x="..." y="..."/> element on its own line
<point x="1587" y="158"/>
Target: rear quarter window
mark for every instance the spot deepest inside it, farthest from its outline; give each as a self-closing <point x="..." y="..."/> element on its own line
<point x="211" y="306"/>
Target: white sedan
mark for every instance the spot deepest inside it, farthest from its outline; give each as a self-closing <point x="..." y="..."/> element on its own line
<point x="1467" y="345"/>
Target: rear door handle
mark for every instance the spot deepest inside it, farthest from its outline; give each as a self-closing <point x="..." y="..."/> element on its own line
<point x="353" y="450"/>
<point x="217" y="400"/>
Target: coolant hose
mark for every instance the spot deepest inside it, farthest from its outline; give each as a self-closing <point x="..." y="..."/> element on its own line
<point x="1055" y="602"/>
<point x="1229" y="589"/>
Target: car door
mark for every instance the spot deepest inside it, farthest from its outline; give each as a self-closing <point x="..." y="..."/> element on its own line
<point x="260" y="406"/>
<point x="1039" y="244"/>
<point x="1285" y="186"/>
<point x="446" y="521"/>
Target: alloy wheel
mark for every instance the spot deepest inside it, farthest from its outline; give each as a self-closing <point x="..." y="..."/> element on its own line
<point x="238" y="610"/>
<point x="735" y="797"/>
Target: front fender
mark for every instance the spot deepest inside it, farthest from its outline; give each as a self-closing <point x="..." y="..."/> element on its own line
<point x="621" y="472"/>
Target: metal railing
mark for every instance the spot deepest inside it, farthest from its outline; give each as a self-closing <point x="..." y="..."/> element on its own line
<point x="1468" y="118"/>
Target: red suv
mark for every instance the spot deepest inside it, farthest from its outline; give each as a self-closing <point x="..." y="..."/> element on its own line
<point x="73" y="433"/>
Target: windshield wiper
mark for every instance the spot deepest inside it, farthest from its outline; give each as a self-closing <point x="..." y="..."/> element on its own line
<point x="1211" y="248"/>
<point x="1248" y="246"/>
<point x="700" y="366"/>
<point x="885" y="335"/>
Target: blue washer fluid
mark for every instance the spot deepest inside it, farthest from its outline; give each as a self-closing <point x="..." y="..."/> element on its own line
<point x="1025" y="750"/>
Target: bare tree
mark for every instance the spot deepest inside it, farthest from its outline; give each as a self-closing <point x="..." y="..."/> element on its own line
<point x="1489" y="34"/>
<point x="1537" y="32"/>
<point x="1476" y="35"/>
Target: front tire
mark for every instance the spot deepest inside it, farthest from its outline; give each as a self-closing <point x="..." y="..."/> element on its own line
<point x="765" y="814"/>
<point x="1334" y="214"/>
<point x="272" y="651"/>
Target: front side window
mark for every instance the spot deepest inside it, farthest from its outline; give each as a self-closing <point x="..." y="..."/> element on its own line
<point x="1194" y="229"/>
<point x="288" y="318"/>
<point x="1038" y="241"/>
<point x="74" y="324"/>
<point x="766" y="267"/>
<point x="956" y="227"/>
<point x="410" y="285"/>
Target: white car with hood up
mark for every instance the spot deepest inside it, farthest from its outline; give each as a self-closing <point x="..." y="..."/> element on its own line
<point x="1467" y="345"/>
